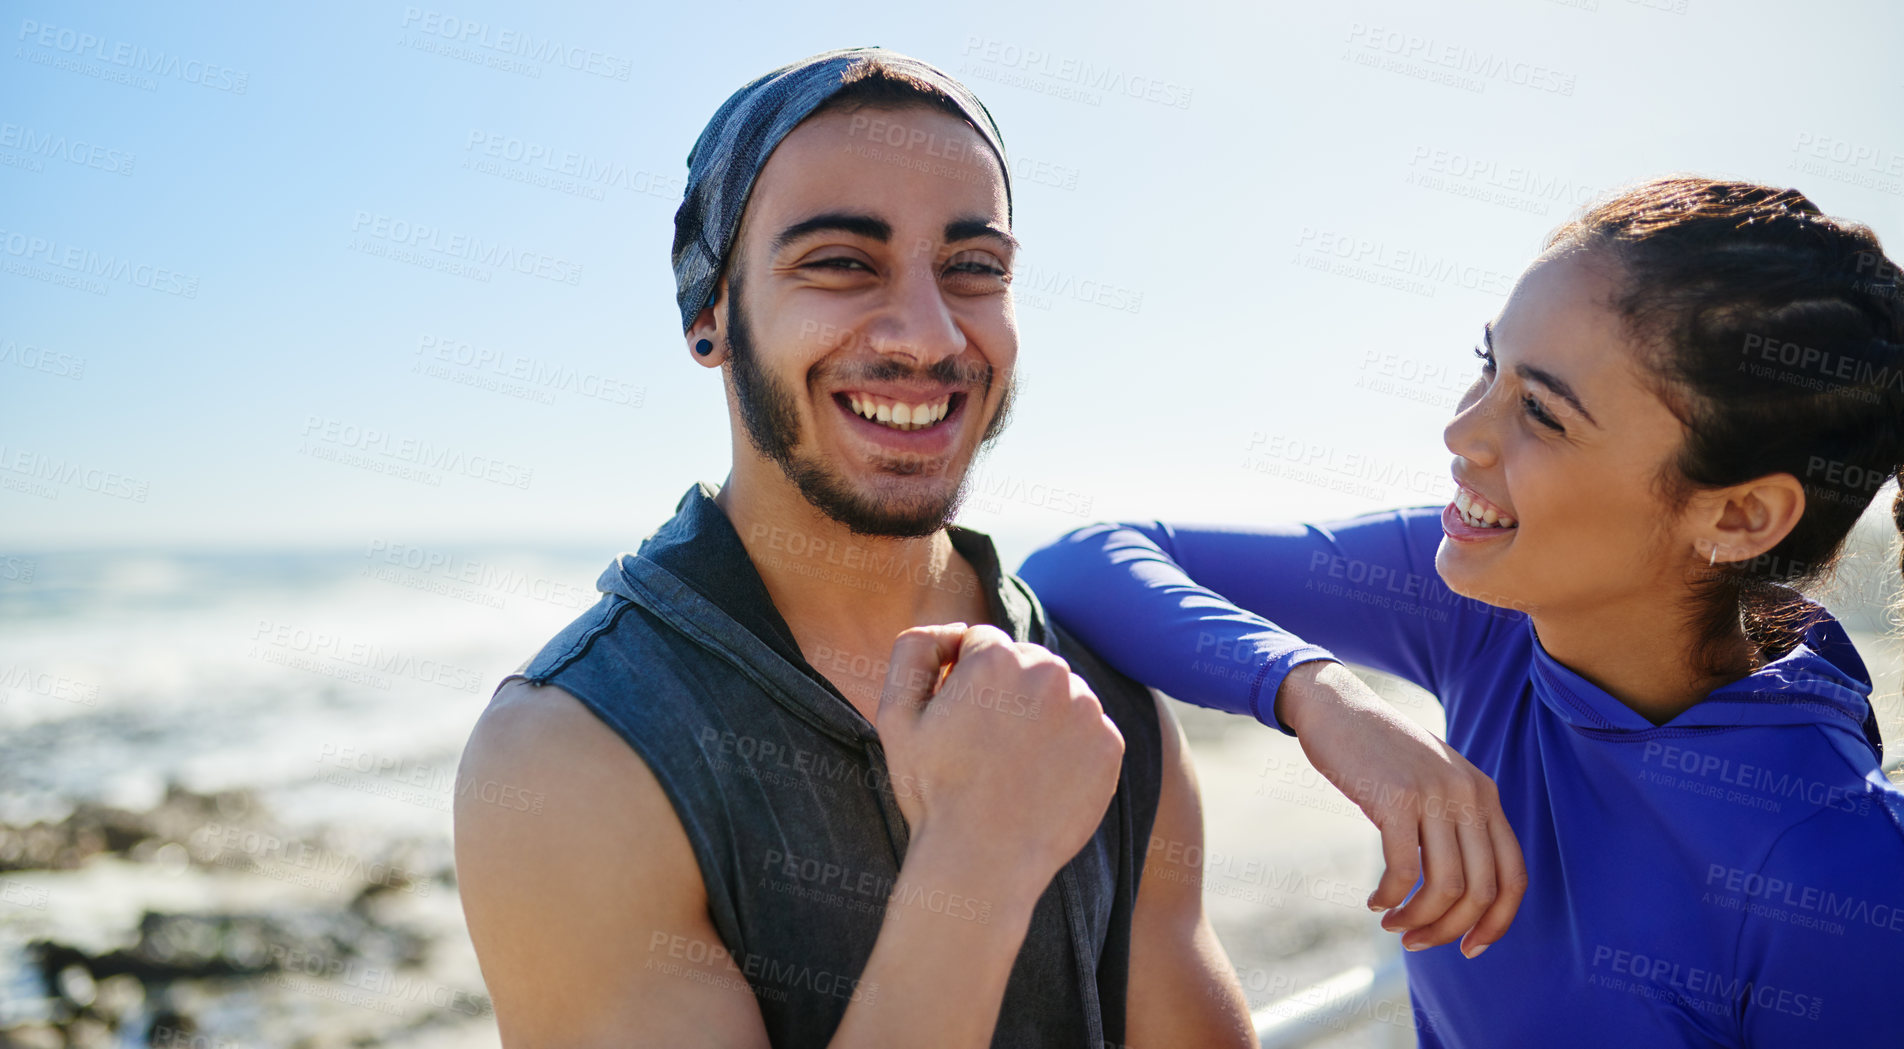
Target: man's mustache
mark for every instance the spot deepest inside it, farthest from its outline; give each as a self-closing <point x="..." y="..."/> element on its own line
<point x="947" y="371"/>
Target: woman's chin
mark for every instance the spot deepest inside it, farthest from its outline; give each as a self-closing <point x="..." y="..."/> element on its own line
<point x="1456" y="565"/>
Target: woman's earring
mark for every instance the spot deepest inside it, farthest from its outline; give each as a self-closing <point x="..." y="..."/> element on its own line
<point x="1714" y="556"/>
<point x="704" y="347"/>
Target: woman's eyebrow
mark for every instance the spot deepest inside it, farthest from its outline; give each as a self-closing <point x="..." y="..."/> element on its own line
<point x="1546" y="378"/>
<point x="1558" y="386"/>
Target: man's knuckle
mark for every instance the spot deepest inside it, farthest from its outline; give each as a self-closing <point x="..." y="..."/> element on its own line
<point x="1088" y="709"/>
<point x="1046" y="674"/>
<point x="988" y="657"/>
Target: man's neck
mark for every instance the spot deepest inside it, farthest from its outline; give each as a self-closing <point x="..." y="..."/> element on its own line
<point x="846" y="596"/>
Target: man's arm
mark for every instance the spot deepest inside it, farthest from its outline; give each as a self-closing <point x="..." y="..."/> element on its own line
<point x="587" y="915"/>
<point x="1183" y="990"/>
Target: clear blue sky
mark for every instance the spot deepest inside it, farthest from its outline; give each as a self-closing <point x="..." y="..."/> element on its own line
<point x="1294" y="204"/>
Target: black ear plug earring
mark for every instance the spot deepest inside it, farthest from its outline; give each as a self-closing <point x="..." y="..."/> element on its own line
<point x="704" y="347"/>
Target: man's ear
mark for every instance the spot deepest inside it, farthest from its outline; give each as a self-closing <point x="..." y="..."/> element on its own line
<point x="707" y="338"/>
<point x="1746" y="520"/>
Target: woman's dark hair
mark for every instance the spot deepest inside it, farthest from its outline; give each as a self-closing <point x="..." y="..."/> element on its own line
<point x="1776" y="335"/>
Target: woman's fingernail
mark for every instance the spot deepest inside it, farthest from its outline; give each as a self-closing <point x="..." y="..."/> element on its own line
<point x="1406" y="946"/>
<point x="1372" y="905"/>
<point x="1475" y="952"/>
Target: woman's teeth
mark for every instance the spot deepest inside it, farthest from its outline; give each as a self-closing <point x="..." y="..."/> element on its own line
<point x="898" y="414"/>
<point x="1477" y="515"/>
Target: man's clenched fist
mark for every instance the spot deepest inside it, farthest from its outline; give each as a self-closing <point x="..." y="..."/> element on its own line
<point x="1017" y="758"/>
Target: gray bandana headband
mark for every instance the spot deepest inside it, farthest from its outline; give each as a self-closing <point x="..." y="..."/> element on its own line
<point x="735" y="145"/>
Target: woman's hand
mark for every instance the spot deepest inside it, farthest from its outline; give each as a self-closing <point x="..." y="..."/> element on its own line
<point x="1434" y="809"/>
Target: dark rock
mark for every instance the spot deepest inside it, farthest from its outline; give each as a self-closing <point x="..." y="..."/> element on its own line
<point x="92" y="829"/>
<point x="196" y="946"/>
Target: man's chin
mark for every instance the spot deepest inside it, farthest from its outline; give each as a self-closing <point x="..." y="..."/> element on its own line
<point x="896" y="506"/>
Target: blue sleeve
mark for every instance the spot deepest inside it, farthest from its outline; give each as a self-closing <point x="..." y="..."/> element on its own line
<point x="1218" y="616"/>
<point x="1822" y="945"/>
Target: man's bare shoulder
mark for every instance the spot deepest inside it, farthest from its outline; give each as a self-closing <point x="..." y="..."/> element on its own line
<point x="546" y="729"/>
<point x="541" y="769"/>
<point x="578" y="884"/>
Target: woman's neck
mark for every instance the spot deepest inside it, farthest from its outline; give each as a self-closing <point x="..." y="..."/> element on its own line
<point x="1652" y="658"/>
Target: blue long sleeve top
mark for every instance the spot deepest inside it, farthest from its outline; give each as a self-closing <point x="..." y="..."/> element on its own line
<point x="1733" y="877"/>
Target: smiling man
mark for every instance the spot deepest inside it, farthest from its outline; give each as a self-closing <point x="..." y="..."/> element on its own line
<point x="764" y="820"/>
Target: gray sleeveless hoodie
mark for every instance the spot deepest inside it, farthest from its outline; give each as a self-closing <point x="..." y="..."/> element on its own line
<point x="782" y="789"/>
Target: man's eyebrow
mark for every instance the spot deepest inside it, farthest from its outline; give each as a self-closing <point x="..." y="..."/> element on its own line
<point x="1541" y="375"/>
<point x="860" y="225"/>
<point x="968" y="228"/>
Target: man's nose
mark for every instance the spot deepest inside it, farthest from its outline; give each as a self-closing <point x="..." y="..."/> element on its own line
<point x="918" y="322"/>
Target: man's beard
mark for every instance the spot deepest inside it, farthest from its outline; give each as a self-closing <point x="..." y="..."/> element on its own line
<point x="770" y="412"/>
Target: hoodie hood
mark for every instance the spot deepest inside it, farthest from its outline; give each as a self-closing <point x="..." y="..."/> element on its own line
<point x="1820" y="682"/>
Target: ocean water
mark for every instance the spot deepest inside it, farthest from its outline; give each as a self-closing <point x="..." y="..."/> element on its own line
<point x="286" y="673"/>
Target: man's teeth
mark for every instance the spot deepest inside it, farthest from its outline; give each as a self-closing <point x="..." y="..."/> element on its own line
<point x="1478" y="516"/>
<point x="898" y="414"/>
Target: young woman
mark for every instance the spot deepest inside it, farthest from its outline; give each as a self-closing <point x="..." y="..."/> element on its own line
<point x="1683" y="407"/>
